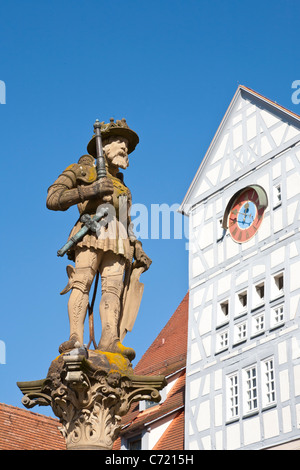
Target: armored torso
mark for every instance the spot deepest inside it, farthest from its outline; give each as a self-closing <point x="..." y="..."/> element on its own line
<point x="114" y="237"/>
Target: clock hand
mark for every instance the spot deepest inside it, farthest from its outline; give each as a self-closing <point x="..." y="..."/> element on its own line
<point x="243" y="213"/>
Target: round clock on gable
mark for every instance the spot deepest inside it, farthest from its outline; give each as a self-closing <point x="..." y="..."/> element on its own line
<point x="244" y="213"/>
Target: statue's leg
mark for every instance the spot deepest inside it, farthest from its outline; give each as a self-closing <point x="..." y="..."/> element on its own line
<point x="112" y="273"/>
<point x="86" y="265"/>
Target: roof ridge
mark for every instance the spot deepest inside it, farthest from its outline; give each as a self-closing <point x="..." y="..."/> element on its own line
<point x="274" y="103"/>
<point x="164" y="363"/>
<point x="237" y="94"/>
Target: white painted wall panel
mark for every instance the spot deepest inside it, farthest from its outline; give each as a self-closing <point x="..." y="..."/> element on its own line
<point x="251" y="431"/>
<point x="282" y="352"/>
<point x="203" y="419"/>
<point x="297" y="380"/>
<point x="284" y="385"/>
<point x="221" y="268"/>
<point x="205" y="320"/>
<point x="195" y="388"/>
<point x="206" y="442"/>
<point x="233" y="437"/>
<point x="292" y="185"/>
<point x="271" y="424"/>
<point x="286" y="419"/>
<point x="218" y="410"/>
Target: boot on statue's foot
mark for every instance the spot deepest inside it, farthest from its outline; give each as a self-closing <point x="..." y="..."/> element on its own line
<point x="69" y="344"/>
<point x="117" y="347"/>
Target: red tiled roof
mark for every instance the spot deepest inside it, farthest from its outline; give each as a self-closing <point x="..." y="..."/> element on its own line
<point x="24" y="430"/>
<point x="173" y="438"/>
<point x="136" y="419"/>
<point x="169" y="349"/>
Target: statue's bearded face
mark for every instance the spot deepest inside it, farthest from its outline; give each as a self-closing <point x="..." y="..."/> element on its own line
<point x="116" y="151"/>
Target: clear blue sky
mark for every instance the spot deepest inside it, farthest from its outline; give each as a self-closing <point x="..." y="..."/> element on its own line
<point x="170" y="68"/>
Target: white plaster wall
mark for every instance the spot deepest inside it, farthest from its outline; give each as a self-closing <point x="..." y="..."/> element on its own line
<point x="221" y="269"/>
<point x="157" y="430"/>
<point x="282" y="352"/>
<point x="206" y="442"/>
<point x="206" y="226"/>
<point x="218" y="404"/>
<point x="233" y="438"/>
<point x="195" y="388"/>
<point x="251" y="430"/>
<point x="284" y="384"/>
<point x="203" y="418"/>
<point x="297" y="379"/>
<point x="294" y="275"/>
<point x="286" y="419"/>
<point x="270" y="424"/>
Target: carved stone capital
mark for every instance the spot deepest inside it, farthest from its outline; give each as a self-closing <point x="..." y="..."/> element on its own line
<point x="90" y="399"/>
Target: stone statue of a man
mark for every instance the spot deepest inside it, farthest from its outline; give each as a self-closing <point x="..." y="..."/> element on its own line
<point x="109" y="250"/>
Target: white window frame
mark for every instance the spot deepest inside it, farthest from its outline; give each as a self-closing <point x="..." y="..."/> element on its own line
<point x="250" y="396"/>
<point x="277" y="195"/>
<point x="277" y="315"/>
<point x="126" y="441"/>
<point x="233" y="397"/>
<point x="240" y="306"/>
<point x="258" y="324"/>
<point x="222" y="340"/>
<point x="222" y="317"/>
<point x="257" y="298"/>
<point x="268" y="382"/>
<point x="146" y="404"/>
<point x="240" y="332"/>
<point x="276" y="289"/>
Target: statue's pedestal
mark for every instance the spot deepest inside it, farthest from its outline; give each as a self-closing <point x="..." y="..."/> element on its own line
<point x="90" y="391"/>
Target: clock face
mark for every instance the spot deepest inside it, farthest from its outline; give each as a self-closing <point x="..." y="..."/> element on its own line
<point x="245" y="216"/>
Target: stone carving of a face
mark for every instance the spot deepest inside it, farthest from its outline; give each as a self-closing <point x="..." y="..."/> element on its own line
<point x="116" y="151"/>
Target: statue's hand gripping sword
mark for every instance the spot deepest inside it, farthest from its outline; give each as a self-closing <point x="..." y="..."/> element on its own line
<point x="91" y="223"/>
